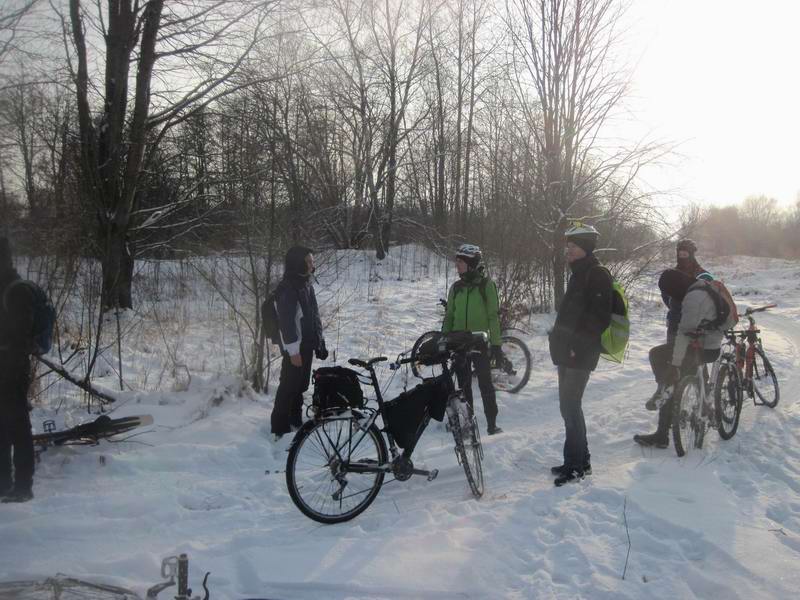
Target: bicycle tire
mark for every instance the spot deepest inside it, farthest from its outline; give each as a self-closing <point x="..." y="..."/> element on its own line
<point x="313" y="459"/>
<point x="466" y="436"/>
<point x="518" y="355"/>
<point x="765" y="383"/>
<point x="728" y="398"/>
<point x="418" y="369"/>
<point x="688" y="426"/>
<point x="91" y="433"/>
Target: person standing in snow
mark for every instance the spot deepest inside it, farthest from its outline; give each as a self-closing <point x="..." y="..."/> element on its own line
<point x="16" y="326"/>
<point x="473" y="305"/>
<point x="301" y="338"/>
<point x="575" y="346"/>
<point x="672" y="361"/>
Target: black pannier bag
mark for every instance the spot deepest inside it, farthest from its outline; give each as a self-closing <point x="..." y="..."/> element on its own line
<point x="404" y="414"/>
<point x="336" y="388"/>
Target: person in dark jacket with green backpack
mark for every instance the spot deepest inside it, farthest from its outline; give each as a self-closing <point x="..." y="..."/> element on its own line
<point x="472" y="305"/>
<point x="575" y="344"/>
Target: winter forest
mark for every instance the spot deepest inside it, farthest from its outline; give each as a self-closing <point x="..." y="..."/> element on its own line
<point x="158" y="158"/>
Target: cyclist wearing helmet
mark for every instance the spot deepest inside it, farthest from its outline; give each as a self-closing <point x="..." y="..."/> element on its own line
<point x="472" y="305"/>
<point x="584" y="313"/>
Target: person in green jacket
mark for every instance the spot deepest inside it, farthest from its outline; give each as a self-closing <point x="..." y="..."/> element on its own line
<point x="472" y="305"/>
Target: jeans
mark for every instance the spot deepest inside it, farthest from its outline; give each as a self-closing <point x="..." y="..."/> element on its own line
<point x="571" y="385"/>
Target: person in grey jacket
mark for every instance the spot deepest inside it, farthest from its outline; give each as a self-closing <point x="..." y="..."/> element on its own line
<point x="301" y="338"/>
<point x="671" y="361"/>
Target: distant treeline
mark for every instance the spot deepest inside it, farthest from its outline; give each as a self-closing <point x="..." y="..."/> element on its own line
<point x="756" y="227"/>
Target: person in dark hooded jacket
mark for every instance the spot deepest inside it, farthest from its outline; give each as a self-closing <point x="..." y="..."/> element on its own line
<point x="16" y="326"/>
<point x="301" y="337"/>
<point x="575" y="344"/>
<point x="686" y="263"/>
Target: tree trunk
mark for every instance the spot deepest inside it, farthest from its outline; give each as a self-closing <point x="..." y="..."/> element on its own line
<point x="117" y="262"/>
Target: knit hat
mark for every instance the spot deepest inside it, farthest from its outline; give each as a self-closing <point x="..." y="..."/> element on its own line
<point x="674" y="283"/>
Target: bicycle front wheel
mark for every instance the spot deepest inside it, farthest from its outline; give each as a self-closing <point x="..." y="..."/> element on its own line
<point x="728" y="394"/>
<point x="688" y="425"/>
<point x="513" y="374"/>
<point x="328" y="469"/>
<point x="469" y="451"/>
<point x="765" y="383"/>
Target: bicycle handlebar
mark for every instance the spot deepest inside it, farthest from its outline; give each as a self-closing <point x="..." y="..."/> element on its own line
<point x="750" y="311"/>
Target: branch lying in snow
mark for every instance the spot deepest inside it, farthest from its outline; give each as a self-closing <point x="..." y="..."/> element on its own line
<point x="84" y="385"/>
<point x="625" y="519"/>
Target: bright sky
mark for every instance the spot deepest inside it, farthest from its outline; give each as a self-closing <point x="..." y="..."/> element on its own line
<point x="723" y="78"/>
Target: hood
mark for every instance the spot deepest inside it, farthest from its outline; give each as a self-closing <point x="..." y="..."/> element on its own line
<point x="295" y="262"/>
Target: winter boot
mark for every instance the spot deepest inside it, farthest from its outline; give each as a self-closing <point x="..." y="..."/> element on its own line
<point x="655" y="440"/>
<point x="568" y="476"/>
<point x="18" y="495"/>
<point x="561" y="469"/>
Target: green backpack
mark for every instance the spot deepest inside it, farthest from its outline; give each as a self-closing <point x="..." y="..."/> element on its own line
<point x="614" y="338"/>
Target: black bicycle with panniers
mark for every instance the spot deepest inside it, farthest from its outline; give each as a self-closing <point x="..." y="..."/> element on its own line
<point x="338" y="460"/>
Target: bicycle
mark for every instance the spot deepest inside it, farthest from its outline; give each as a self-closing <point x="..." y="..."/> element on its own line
<point x="745" y="368"/>
<point x="694" y="414"/>
<point x="510" y="374"/>
<point x="338" y="461"/>
<point x="88" y="434"/>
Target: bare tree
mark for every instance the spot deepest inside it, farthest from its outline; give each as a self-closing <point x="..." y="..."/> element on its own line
<point x="185" y="54"/>
<point x="570" y="88"/>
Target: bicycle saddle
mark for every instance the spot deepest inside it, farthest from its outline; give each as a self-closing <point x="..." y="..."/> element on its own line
<point x="366" y="364"/>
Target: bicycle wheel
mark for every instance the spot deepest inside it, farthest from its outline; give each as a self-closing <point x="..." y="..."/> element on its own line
<point x="469" y="451"/>
<point x="90" y="433"/>
<point x="513" y="374"/>
<point x="420" y="370"/>
<point x="688" y="425"/>
<point x="765" y="383"/>
<point x="317" y="469"/>
<point x="728" y="395"/>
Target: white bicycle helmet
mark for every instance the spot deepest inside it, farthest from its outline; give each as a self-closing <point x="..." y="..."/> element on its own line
<point x="470" y="253"/>
<point x="580" y="229"/>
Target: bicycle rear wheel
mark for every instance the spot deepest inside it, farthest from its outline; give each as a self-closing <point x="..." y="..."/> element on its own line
<point x="728" y="395"/>
<point x="765" y="383"/>
<point x="688" y="425"/>
<point x="513" y="374"/>
<point x="420" y="370"/>
<point x="318" y="473"/>
<point x="469" y="451"/>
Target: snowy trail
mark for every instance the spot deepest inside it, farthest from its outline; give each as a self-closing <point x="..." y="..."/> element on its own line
<point x="206" y="480"/>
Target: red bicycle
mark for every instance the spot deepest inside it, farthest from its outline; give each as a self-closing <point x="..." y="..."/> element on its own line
<point x="746" y="370"/>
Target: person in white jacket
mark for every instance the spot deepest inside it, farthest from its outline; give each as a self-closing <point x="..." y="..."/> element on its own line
<point x="671" y="361"/>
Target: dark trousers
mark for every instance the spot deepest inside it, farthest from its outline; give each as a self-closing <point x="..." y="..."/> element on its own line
<point x="16" y="438"/>
<point x="288" y="407"/>
<point x="571" y="385"/>
<point x="660" y="363"/>
<point x="488" y="395"/>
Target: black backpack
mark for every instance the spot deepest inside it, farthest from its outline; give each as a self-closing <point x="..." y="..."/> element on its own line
<point x="269" y="318"/>
<point x="44" y="316"/>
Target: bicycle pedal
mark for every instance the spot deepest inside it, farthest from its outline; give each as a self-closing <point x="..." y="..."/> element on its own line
<point x="433" y="474"/>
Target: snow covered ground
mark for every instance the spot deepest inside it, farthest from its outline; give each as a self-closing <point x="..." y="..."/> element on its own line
<point x="206" y="480"/>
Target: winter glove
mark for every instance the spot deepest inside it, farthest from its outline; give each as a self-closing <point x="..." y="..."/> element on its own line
<point x="321" y="352"/>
